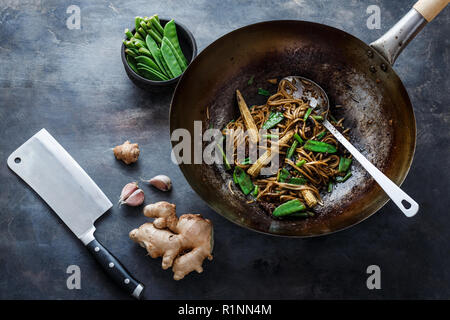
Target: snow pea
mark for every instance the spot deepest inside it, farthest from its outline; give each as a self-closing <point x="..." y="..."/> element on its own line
<point x="241" y="178"/>
<point x="150" y="73"/>
<point x="319" y="146"/>
<point x="156" y="25"/>
<point x="156" y="53"/>
<point x="170" y="59"/>
<point x="288" y="207"/>
<point x="145" y="52"/>
<point x="149" y="62"/>
<point x="344" y="164"/>
<point x="137" y="22"/>
<point x="131" y="52"/>
<point x="180" y="61"/>
<point x="274" y="119"/>
<point x="128" y="33"/>
<point x="132" y="64"/>
<point x="155" y="36"/>
<point x="170" y="32"/>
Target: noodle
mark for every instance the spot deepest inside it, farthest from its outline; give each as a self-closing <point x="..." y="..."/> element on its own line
<point x="318" y="168"/>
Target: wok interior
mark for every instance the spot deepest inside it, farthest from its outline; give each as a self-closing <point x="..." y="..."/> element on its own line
<point x="375" y="106"/>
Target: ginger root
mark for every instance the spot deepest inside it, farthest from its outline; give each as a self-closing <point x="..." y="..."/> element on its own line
<point x="182" y="242"/>
<point x="127" y="152"/>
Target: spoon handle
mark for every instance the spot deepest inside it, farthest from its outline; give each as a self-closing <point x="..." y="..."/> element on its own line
<point x="406" y="204"/>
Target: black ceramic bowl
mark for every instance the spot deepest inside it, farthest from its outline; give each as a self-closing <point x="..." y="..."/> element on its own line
<point x="188" y="46"/>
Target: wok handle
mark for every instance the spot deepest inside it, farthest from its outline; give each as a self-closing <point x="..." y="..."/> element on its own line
<point x="405" y="203"/>
<point x="392" y="43"/>
<point x="430" y="8"/>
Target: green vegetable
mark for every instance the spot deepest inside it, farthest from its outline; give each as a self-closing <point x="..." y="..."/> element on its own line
<point x="139" y="43"/>
<point x="344" y="164"/>
<point x="246" y="161"/>
<point x="166" y="67"/>
<point x="128" y="33"/>
<point x="255" y="191"/>
<point x="321" y="135"/>
<point x="297" y="180"/>
<point x="142" y="32"/>
<point x="292" y="149"/>
<point x="241" y="178"/>
<point x="144" y="26"/>
<point x="137" y="22"/>
<point x="155" y="36"/>
<point x="308" y="112"/>
<point x="288" y="208"/>
<point x="156" y="53"/>
<point x="343" y="179"/>
<point x="132" y="64"/>
<point x="300" y="163"/>
<point x="180" y="61"/>
<point x="170" y="32"/>
<point x="170" y="59"/>
<point x="225" y="160"/>
<point x="283" y="175"/>
<point x="149" y="62"/>
<point x="250" y="82"/>
<point x="298" y="138"/>
<point x="330" y="187"/>
<point x="138" y="36"/>
<point x="156" y="25"/>
<point x="144" y="51"/>
<point x="318" y="118"/>
<point x="274" y="119"/>
<point x="263" y="92"/>
<point x="131" y="52"/>
<point x="319" y="146"/>
<point x="151" y="73"/>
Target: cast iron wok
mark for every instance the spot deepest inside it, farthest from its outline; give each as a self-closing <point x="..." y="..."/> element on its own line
<point x="357" y="77"/>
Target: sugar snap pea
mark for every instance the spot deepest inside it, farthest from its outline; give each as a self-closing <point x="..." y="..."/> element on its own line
<point x="155" y="75"/>
<point x="156" y="53"/>
<point x="170" y="32"/>
<point x="180" y="60"/>
<point x="170" y="59"/>
<point x="149" y="62"/>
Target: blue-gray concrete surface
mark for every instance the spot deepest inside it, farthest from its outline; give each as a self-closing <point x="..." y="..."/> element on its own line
<point x="72" y="83"/>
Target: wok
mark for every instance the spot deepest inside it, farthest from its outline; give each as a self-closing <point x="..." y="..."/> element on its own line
<point x="356" y="76"/>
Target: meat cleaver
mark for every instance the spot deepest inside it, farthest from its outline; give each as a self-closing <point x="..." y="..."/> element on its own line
<point x="55" y="176"/>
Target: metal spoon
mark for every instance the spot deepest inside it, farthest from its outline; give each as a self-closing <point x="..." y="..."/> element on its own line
<point x="318" y="99"/>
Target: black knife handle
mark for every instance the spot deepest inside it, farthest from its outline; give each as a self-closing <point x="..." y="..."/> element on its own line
<point x="115" y="269"/>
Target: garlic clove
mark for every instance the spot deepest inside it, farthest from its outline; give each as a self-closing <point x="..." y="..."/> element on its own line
<point x="135" y="199"/>
<point x="127" y="190"/>
<point x="161" y="182"/>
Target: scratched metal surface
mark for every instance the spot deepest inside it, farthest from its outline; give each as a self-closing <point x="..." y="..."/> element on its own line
<point x="72" y="82"/>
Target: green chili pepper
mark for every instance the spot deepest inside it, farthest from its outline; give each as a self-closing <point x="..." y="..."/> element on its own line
<point x="344" y="164"/>
<point x="128" y="33"/>
<point x="318" y="118"/>
<point x="321" y="135"/>
<point x="300" y="163"/>
<point x="180" y="61"/>
<point x="156" y="25"/>
<point x="255" y="191"/>
<point x="225" y="160"/>
<point x="151" y="73"/>
<point x="149" y="62"/>
<point x="263" y="92"/>
<point x="283" y="175"/>
<point x="146" y="52"/>
<point x="243" y="180"/>
<point x="132" y="64"/>
<point x="308" y="112"/>
<point x="274" y="119"/>
<point x="170" y="59"/>
<point x="330" y="187"/>
<point x="343" y="179"/>
<point x="288" y="208"/>
<point x="250" y="82"/>
<point x="156" y="53"/>
<point x="319" y="146"/>
<point x="292" y="149"/>
<point x="298" y="138"/>
<point x="170" y="31"/>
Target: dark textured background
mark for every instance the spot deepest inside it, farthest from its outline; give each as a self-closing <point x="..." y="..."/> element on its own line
<point x="72" y="83"/>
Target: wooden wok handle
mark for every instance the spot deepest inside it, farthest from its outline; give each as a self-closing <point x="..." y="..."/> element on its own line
<point x="430" y="8"/>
